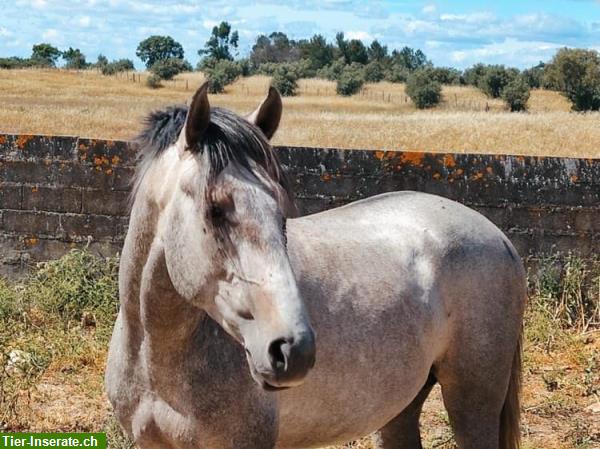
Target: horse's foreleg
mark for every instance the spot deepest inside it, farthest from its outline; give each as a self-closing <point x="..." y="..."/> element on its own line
<point x="402" y="432"/>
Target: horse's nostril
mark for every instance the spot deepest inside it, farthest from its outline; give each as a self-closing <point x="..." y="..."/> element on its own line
<point x="276" y="353"/>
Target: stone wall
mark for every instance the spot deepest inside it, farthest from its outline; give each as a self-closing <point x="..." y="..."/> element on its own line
<point x="60" y="192"/>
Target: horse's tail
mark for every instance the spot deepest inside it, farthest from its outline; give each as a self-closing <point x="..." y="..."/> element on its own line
<point x="510" y="434"/>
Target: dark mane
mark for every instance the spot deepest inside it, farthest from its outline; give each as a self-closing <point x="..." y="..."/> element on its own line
<point x="228" y="138"/>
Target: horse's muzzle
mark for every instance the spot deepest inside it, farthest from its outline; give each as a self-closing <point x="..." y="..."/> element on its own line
<point x="289" y="359"/>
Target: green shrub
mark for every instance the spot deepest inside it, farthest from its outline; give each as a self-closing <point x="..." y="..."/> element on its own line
<point x="473" y="75"/>
<point x="121" y="65"/>
<point x="216" y="83"/>
<point x="332" y="71"/>
<point x="285" y="81"/>
<point x="9" y="303"/>
<point x="516" y="94"/>
<point x="14" y="62"/>
<point x="300" y="69"/>
<point x="166" y="69"/>
<point x="445" y="75"/>
<point x="351" y="80"/>
<point x="153" y="81"/>
<point x="397" y="73"/>
<point x="221" y="73"/>
<point x="76" y="283"/>
<point x="374" y="72"/>
<point x="566" y="290"/>
<point x="423" y="90"/>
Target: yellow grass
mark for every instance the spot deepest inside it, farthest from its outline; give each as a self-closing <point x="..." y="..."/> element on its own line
<point x="380" y="117"/>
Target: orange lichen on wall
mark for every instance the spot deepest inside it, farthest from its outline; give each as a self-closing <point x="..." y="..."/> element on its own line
<point x="326" y="177"/>
<point x="2" y="140"/>
<point x="100" y="160"/>
<point x="381" y="155"/>
<point x="412" y="158"/>
<point x="22" y="140"/>
<point x="31" y="241"/>
<point x="449" y="161"/>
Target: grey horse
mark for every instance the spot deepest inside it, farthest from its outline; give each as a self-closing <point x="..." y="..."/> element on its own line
<point x="241" y="327"/>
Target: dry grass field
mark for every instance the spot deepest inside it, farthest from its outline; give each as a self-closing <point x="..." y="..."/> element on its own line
<point x="55" y="325"/>
<point x="380" y="117"/>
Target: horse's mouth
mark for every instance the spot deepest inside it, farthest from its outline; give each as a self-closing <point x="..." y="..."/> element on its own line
<point x="268" y="387"/>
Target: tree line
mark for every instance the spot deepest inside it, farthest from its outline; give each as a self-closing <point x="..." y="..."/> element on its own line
<point x="349" y="62"/>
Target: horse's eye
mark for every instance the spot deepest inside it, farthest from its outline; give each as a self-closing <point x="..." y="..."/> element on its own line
<point x="217" y="214"/>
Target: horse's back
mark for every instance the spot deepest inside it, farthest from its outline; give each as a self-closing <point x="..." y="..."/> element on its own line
<point x="449" y="221"/>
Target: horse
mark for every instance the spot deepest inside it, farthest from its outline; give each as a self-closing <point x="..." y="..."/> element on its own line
<point x="244" y="326"/>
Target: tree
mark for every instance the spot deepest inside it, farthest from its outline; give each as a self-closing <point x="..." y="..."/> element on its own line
<point x="74" y="59"/>
<point x="576" y="73"/>
<point x="101" y="61"/>
<point x="411" y="59"/>
<point x="357" y="52"/>
<point x="221" y="42"/>
<point x="423" y="90"/>
<point x="317" y="51"/>
<point x="534" y="76"/>
<point x="277" y="47"/>
<point x="377" y="52"/>
<point x="342" y="46"/>
<point x="45" y="55"/>
<point x="495" y="79"/>
<point x="158" y="48"/>
<point x="516" y="94"/>
<point x="473" y="75"/>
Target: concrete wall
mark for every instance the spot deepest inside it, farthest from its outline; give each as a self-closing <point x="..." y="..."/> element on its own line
<point x="60" y="192"/>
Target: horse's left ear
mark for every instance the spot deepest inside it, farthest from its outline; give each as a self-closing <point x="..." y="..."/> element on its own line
<point x="268" y="114"/>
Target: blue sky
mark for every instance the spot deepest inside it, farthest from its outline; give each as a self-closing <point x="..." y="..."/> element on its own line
<point x="457" y="33"/>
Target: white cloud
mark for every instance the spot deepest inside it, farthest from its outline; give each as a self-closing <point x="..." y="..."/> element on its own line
<point x="471" y="18"/>
<point x="84" y="21"/>
<point x="360" y="35"/>
<point x="39" y="4"/>
<point x="509" y="51"/>
<point x="4" y="32"/>
<point x="209" y="24"/>
<point x="429" y="9"/>
<point x="50" y="33"/>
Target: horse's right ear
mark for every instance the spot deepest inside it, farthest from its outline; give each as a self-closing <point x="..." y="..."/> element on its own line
<point x="198" y="117"/>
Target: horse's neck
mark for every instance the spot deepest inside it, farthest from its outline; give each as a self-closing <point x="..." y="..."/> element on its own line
<point x="168" y="320"/>
<point x="152" y="310"/>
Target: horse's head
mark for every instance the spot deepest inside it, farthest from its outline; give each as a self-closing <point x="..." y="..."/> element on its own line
<point x="224" y="236"/>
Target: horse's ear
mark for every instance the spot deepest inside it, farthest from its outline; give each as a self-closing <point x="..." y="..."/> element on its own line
<point x="268" y="114"/>
<point x="198" y="117"/>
